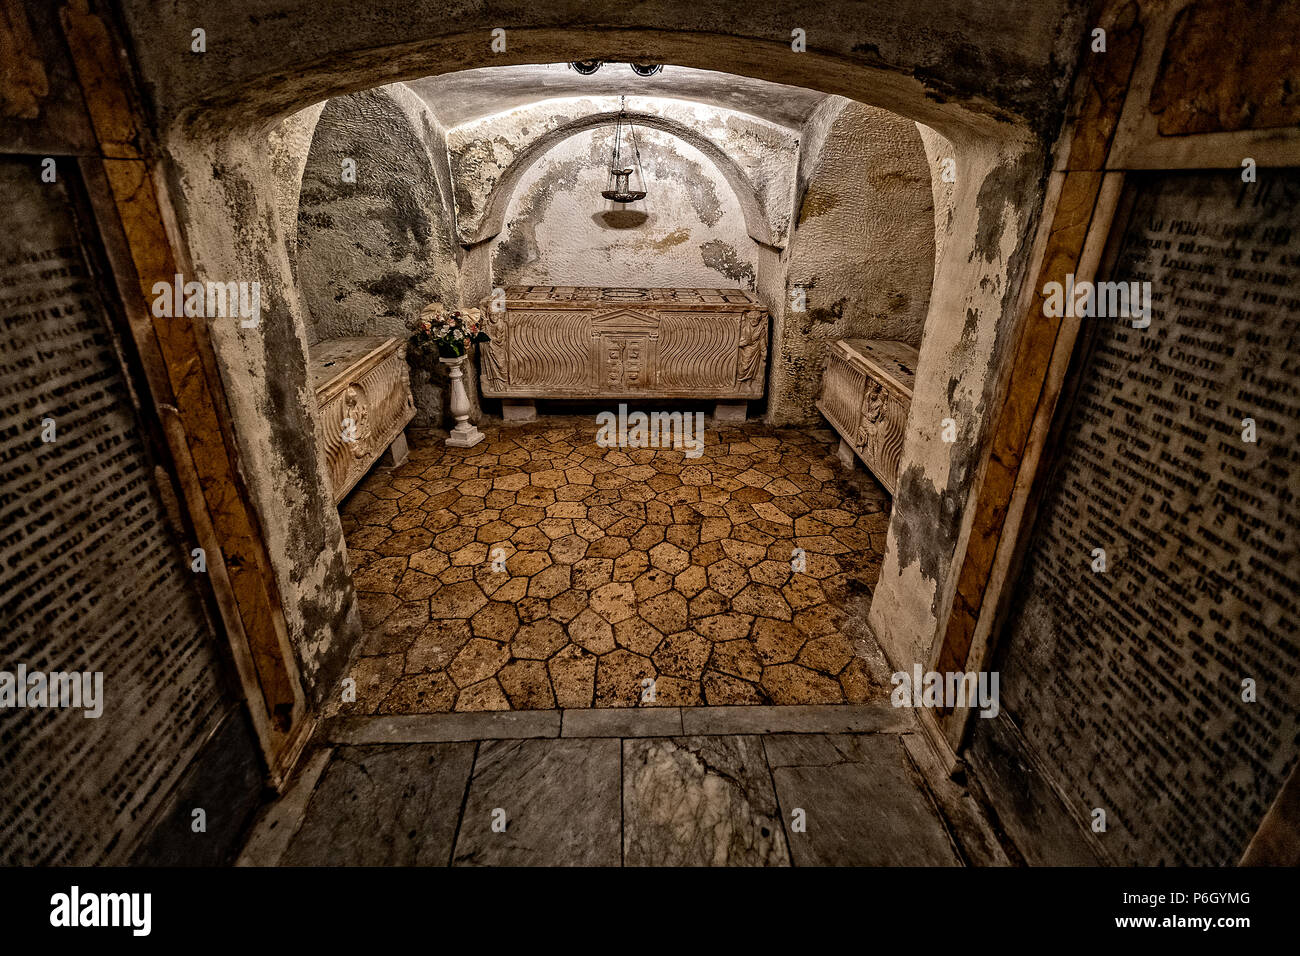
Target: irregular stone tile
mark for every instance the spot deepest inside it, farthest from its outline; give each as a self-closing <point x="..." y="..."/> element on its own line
<point x="592" y="573"/>
<point x="777" y="642"/>
<point x="683" y="654"/>
<point x="565" y="607"/>
<point x="614" y="602"/>
<point x="737" y="658"/>
<point x="375" y="677"/>
<point x="700" y="801"/>
<point x="592" y="632"/>
<point x="667" y="612"/>
<point x="384" y="806"/>
<point x="560" y="800"/>
<point x="818" y="620"/>
<point x="618" y="678"/>
<point x="761" y="600"/>
<point x="402" y="626"/>
<point x="828" y="654"/>
<point x="570" y="549"/>
<point x="538" y="640"/>
<point x="429" y="693"/>
<point x="550" y="581"/>
<point x="726" y="690"/>
<point x="382" y="576"/>
<point x="670" y="558"/>
<point x="727" y="577"/>
<point x="706" y="604"/>
<point x="792" y="684"/>
<point x="437" y="646"/>
<point x="497" y="621"/>
<point x="430" y="561"/>
<point x="630" y="565"/>
<point x="865" y="805"/>
<point x="654" y="582"/>
<point x="724" y="627"/>
<point x="527" y="684"/>
<point x="533" y="609"/>
<point x="637" y="636"/>
<point x="527" y="563"/>
<point x="860" y="684"/>
<point x="573" y="676"/>
<point x="478" y="660"/>
<point x="457" y="601"/>
<point x="485" y="695"/>
<point x="675" y="692"/>
<point x="607" y="547"/>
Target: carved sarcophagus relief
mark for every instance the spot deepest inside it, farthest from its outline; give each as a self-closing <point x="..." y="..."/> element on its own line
<point x="866" y="394"/>
<point x="574" y="342"/>
<point x="363" y="397"/>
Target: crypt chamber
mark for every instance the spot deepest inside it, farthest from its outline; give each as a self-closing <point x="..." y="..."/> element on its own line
<point x="672" y="385"/>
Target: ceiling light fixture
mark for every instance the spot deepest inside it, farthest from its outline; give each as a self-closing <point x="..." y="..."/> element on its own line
<point x="618" y="186"/>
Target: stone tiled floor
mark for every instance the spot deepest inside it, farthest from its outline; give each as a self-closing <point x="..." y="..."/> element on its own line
<point x="540" y="570"/>
<point x="699" y="786"/>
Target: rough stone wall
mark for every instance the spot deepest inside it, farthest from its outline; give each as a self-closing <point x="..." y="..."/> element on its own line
<point x="688" y="231"/>
<point x="862" y="249"/>
<point x="372" y="254"/>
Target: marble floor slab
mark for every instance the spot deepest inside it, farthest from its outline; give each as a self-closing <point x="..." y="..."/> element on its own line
<point x="802" y="799"/>
<point x="863" y="803"/>
<point x="700" y="801"/>
<point x="384" y="806"/>
<point x="557" y="798"/>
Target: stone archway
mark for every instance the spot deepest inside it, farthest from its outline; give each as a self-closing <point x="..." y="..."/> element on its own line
<point x="995" y="111"/>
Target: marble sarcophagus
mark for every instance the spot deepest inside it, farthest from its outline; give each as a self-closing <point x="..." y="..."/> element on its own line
<point x="364" y="402"/>
<point x="866" y="394"/>
<point x="568" y="342"/>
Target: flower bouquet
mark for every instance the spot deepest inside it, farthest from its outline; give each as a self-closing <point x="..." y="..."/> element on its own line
<point x="445" y="334"/>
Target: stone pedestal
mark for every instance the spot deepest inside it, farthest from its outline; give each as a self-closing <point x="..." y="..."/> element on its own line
<point x="518" y="410"/>
<point x="730" y="411"/>
<point x="847" y="456"/>
<point x="464" y="435"/>
<point x="398" y="453"/>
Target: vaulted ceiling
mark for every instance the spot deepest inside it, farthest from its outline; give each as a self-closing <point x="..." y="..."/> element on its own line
<point x="458" y="98"/>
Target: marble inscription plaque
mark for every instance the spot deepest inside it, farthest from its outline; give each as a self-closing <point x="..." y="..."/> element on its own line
<point x="92" y="578"/>
<point x="1128" y="683"/>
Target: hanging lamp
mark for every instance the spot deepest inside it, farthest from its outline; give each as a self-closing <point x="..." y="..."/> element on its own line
<point x="618" y="187"/>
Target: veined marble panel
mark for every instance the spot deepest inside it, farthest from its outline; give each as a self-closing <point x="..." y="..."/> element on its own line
<point x="700" y="801"/>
